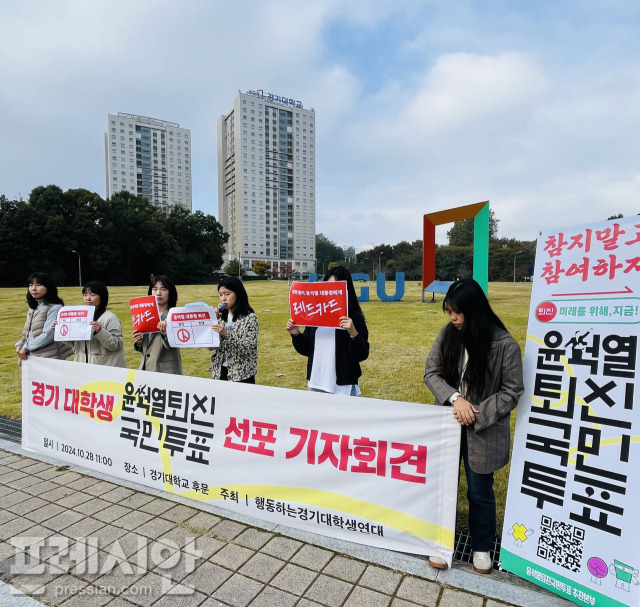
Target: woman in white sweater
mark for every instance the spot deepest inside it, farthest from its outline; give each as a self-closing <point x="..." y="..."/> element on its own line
<point x="106" y="346"/>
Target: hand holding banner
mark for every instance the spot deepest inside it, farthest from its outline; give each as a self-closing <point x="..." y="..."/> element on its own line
<point x="318" y="304"/>
<point x="145" y="314"/>
<point x="190" y="327"/>
<point x="73" y="323"/>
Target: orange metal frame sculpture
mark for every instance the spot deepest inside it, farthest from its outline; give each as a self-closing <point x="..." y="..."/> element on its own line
<point x="480" y="214"/>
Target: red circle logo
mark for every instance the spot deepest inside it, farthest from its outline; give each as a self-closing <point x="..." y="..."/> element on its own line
<point x="183" y="335"/>
<point x="546" y="311"/>
<point x="64" y="329"/>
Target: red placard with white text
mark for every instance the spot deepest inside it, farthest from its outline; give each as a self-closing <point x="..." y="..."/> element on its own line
<point x="145" y="314"/>
<point x="318" y="304"/>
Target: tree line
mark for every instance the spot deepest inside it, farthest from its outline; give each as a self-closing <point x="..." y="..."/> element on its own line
<point x="126" y="239"/>
<point x="121" y="241"/>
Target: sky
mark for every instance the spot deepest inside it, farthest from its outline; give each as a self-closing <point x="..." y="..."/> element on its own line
<point x="421" y="105"/>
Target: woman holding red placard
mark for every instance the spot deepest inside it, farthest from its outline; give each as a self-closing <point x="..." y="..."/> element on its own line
<point x="157" y="354"/>
<point x="334" y="355"/>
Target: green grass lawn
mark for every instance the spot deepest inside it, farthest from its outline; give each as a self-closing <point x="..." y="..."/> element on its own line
<point x="400" y="333"/>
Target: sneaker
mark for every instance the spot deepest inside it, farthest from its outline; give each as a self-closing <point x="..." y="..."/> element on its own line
<point x="438" y="562"/>
<point x="482" y="562"/>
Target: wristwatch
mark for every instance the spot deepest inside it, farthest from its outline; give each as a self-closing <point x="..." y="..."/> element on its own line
<point x="454" y="397"/>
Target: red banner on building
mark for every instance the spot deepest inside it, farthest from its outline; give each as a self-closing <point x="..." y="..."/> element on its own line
<point x="318" y="304"/>
<point x="145" y="314"/>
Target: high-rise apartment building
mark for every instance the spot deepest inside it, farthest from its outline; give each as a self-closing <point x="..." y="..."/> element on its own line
<point x="266" y="182"/>
<point x="149" y="157"/>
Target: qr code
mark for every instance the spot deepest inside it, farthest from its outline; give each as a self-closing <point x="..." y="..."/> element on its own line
<point x="560" y="543"/>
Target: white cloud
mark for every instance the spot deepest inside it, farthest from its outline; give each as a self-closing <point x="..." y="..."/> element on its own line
<point x="509" y="104"/>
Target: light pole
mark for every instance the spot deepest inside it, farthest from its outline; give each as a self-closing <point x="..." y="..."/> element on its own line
<point x="514" y="264"/>
<point x="379" y="263"/>
<point x="239" y="267"/>
<point x="79" y="268"/>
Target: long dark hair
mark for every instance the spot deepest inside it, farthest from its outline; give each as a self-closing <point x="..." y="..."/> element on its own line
<point x="46" y="280"/>
<point x="341" y="273"/>
<point x="480" y="321"/>
<point x="99" y="288"/>
<point x="241" y="307"/>
<point x="168" y="284"/>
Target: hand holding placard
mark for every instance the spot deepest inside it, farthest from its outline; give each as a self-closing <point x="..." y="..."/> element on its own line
<point x="318" y="304"/>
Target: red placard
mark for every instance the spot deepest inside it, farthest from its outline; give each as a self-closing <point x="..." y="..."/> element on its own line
<point x="145" y="314"/>
<point x="318" y="304"/>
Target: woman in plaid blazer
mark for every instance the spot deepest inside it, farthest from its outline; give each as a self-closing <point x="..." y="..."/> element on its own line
<point x="475" y="367"/>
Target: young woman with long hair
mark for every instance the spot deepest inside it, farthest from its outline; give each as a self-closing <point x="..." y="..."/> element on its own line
<point x="44" y="305"/>
<point x="106" y="346"/>
<point x="334" y="355"/>
<point x="236" y="359"/>
<point x="475" y="366"/>
<point x="157" y="354"/>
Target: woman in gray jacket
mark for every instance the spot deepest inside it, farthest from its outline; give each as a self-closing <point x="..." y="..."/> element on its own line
<point x="37" y="335"/>
<point x="106" y="346"/>
<point x="475" y="367"/>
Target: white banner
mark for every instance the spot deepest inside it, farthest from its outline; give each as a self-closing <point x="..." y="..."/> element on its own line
<point x="571" y="516"/>
<point x="381" y="473"/>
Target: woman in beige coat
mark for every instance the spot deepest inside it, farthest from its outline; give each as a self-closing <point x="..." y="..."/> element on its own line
<point x="157" y="354"/>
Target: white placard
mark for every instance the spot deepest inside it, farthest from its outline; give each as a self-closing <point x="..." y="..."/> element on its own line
<point x="190" y="327"/>
<point x="72" y="323"/>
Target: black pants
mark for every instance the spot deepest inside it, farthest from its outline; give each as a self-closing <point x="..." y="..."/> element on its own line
<point x="224" y="375"/>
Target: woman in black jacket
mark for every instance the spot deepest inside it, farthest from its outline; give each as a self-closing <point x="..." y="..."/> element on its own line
<point x="334" y="355"/>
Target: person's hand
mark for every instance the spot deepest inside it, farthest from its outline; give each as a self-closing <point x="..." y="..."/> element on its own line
<point x="53" y="325"/>
<point x="464" y="412"/>
<point x="162" y="327"/>
<point x="292" y="328"/>
<point x="96" y="326"/>
<point x="347" y="323"/>
<point x="137" y="337"/>
<point x="22" y="355"/>
<point x="219" y="328"/>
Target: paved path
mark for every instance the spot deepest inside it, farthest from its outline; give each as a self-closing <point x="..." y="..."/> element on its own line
<point x="73" y="537"/>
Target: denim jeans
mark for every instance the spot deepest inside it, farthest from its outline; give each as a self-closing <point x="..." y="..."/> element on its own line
<point x="482" y="504"/>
